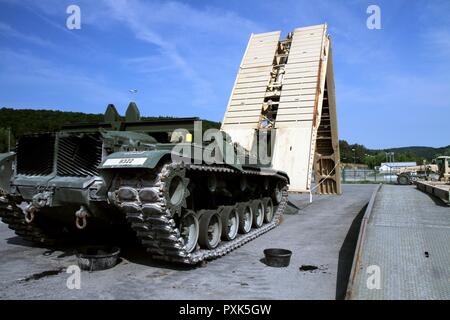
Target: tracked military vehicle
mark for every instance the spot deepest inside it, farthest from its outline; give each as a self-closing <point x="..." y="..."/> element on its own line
<point x="131" y="174"/>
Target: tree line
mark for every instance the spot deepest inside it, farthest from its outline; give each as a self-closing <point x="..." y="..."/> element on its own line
<point x="16" y="122"/>
<point x="357" y="153"/>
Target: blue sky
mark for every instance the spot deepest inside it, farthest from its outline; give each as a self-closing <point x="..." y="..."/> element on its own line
<point x="392" y="84"/>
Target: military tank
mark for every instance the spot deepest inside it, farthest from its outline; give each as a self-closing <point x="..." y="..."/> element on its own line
<point x="149" y="177"/>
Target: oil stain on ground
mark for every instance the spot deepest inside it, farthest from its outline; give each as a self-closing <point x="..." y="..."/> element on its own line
<point x="313" y="268"/>
<point x="44" y="274"/>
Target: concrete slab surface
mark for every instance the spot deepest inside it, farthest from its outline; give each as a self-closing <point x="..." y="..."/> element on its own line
<point x="322" y="234"/>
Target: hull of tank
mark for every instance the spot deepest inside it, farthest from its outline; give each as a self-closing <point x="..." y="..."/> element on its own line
<point x="180" y="209"/>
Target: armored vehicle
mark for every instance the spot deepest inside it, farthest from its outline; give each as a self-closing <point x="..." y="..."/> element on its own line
<point x="439" y="170"/>
<point x="443" y="163"/>
<point x="408" y="175"/>
<point x="150" y="177"/>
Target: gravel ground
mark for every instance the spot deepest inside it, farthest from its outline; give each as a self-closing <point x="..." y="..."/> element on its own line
<point x="322" y="235"/>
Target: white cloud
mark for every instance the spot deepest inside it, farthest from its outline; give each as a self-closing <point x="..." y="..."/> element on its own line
<point x="167" y="25"/>
<point x="185" y="39"/>
<point x="190" y="45"/>
<point x="8" y="31"/>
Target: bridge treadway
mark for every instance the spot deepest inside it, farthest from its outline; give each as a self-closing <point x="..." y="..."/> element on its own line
<point x="408" y="238"/>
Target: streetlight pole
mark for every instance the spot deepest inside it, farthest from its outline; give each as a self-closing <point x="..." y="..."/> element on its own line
<point x="354" y="164"/>
<point x="9" y="139"/>
<point x="387" y="163"/>
<point x="391" y="158"/>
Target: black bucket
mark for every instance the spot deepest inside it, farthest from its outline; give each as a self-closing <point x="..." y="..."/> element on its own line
<point x="97" y="257"/>
<point x="277" y="257"/>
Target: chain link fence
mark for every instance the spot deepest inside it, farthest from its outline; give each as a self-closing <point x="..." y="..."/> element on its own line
<point x="367" y="176"/>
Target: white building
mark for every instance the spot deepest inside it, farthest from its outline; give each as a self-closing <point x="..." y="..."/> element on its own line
<point x="387" y="167"/>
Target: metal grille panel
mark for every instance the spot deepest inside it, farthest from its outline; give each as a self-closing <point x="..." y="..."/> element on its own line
<point x="35" y="155"/>
<point x="79" y="155"/>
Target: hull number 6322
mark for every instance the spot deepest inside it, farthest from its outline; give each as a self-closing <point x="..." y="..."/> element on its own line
<point x="125" y="162"/>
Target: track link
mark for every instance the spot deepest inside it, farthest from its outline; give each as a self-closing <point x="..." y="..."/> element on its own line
<point x="13" y="216"/>
<point x="155" y="227"/>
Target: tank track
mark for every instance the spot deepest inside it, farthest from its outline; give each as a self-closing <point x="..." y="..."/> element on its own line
<point x="155" y="226"/>
<point x="14" y="217"/>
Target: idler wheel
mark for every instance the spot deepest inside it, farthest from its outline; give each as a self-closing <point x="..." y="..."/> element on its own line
<point x="277" y="194"/>
<point x="175" y="188"/>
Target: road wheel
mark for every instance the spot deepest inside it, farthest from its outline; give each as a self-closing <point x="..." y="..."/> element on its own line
<point x="230" y="223"/>
<point x="210" y="230"/>
<point x="268" y="210"/>
<point x="258" y="213"/>
<point x="189" y="230"/>
<point x="245" y="217"/>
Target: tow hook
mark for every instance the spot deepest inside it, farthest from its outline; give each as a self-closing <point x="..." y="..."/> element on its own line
<point x="3" y="198"/>
<point x="39" y="201"/>
<point x="42" y="199"/>
<point x="29" y="213"/>
<point x="81" y="218"/>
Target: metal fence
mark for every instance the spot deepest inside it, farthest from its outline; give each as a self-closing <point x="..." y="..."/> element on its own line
<point x="367" y="176"/>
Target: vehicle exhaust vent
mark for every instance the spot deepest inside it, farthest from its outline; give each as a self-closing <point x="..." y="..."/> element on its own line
<point x="79" y="155"/>
<point x="35" y="154"/>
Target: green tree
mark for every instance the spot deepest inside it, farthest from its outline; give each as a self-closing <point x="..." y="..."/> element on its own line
<point x="5" y="138"/>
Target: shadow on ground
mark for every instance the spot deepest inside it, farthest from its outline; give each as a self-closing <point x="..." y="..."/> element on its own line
<point x="129" y="252"/>
<point x="138" y="255"/>
<point x="436" y="200"/>
<point x="346" y="254"/>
